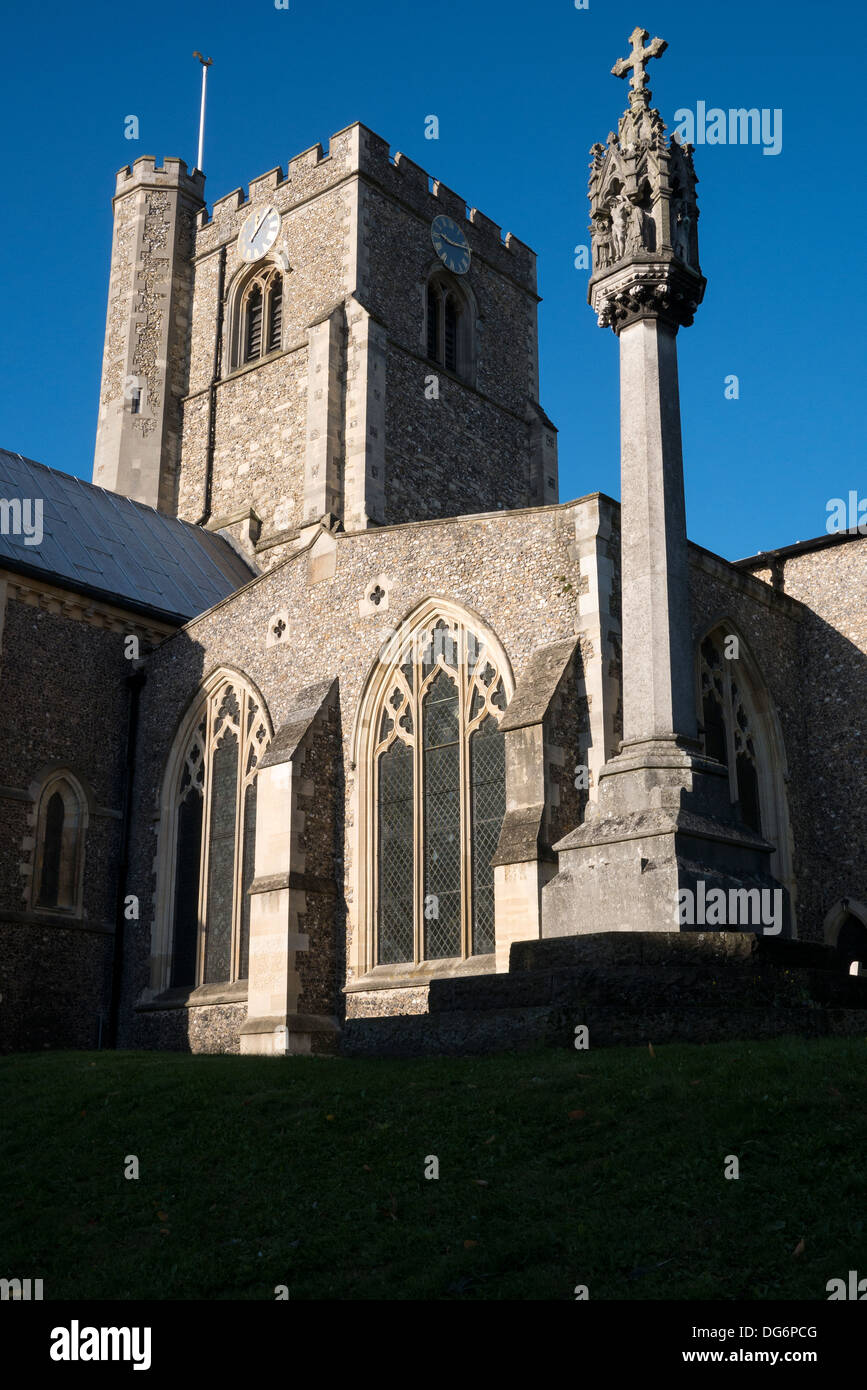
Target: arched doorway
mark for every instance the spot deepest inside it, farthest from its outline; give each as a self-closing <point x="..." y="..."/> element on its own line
<point x="846" y="931"/>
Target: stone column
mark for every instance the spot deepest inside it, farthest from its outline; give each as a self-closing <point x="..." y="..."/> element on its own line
<point x="658" y="692"/>
<point x="663" y="824"/>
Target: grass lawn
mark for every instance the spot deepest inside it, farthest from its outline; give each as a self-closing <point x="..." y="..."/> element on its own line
<point x="603" y="1168"/>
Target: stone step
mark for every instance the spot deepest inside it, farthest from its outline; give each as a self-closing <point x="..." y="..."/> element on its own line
<point x="459" y="1033"/>
<point x="462" y="1032"/>
<point x="669" y="949"/>
<point x="635" y="988"/>
<point x="629" y="988"/>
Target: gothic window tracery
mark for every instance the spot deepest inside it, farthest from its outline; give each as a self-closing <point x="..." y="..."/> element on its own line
<point x="259" y="316"/>
<point x="438" y="788"/>
<point x="728" y="727"/>
<point x="213" y="809"/>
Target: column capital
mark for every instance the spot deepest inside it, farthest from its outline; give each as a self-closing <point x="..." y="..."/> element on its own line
<point x="656" y="287"/>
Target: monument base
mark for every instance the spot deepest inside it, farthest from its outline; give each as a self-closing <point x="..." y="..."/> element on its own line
<point x="663" y="849"/>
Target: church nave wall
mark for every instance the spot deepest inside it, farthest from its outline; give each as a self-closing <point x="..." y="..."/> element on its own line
<point x="515" y="573"/>
<point x="828" y="685"/>
<point x="62" y="744"/>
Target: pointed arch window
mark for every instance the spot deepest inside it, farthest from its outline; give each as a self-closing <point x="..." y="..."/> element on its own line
<point x="448" y="329"/>
<point x="727" y="721"/>
<point x="61" y="822"/>
<point x="259" y="317"/>
<point x="438" y="788"/>
<point x="212" y="821"/>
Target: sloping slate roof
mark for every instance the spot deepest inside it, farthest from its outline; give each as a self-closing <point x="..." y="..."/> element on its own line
<point x="99" y="542"/>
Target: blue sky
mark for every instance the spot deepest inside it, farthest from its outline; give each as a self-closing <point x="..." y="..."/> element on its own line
<point x="521" y="92"/>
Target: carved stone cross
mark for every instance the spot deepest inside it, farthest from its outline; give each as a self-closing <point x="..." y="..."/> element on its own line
<point x="639" y="58"/>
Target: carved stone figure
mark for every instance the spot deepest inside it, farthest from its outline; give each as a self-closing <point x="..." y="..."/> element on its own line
<point x="602" y="243"/>
<point x="620" y="218"/>
<point x="635" y="237"/>
<point x="682" y="239"/>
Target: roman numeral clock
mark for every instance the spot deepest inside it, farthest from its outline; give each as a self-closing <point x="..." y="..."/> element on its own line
<point x="450" y="244"/>
<point x="258" y="233"/>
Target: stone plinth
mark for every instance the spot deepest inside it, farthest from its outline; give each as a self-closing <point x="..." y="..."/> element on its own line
<point x="630" y="989"/>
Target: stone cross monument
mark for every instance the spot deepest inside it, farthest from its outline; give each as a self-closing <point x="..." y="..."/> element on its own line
<point x="663" y="819"/>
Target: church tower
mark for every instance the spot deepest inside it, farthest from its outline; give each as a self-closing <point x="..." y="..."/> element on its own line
<point x="353" y="343"/>
<point x="144" y="366"/>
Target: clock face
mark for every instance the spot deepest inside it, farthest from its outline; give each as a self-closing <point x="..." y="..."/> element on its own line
<point x="450" y="244"/>
<point x="259" y="232"/>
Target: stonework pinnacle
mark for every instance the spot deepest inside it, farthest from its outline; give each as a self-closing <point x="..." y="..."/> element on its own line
<point x="643" y="211"/>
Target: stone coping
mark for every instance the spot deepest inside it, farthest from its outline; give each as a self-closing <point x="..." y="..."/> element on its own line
<point x="670" y="948"/>
<point x="293" y="1023"/>
<point x="203" y="995"/>
<point x="71" y="921"/>
<point x="419" y="976"/>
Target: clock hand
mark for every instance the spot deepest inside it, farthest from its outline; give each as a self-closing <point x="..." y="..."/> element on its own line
<point x="450" y="242"/>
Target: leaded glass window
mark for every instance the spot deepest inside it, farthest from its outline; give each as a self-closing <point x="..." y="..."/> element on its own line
<point x="438" y="790"/>
<point x="60" y="826"/>
<point x="727" y="726"/>
<point x="215" y="830"/>
<point x="488" y="781"/>
<point x="186" y="914"/>
<point x="53" y="847"/>
<point x="441" y="771"/>
<point x="396" y="850"/>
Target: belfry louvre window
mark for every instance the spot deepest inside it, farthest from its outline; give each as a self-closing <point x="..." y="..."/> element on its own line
<point x="214" y="823"/>
<point x="275" y="317"/>
<point x="254" y="324"/>
<point x="261" y="316"/>
<point x="448" y="326"/>
<point x="727" y="723"/>
<point x="439" y="793"/>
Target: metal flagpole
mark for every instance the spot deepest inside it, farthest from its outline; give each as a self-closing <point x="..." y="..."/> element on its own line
<point x="206" y="63"/>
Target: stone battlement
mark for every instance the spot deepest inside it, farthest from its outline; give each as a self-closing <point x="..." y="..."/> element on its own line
<point x="358" y="150"/>
<point x="172" y="173"/>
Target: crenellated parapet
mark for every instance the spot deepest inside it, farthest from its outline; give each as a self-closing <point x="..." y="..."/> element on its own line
<point x="322" y="403"/>
<point x="172" y="173"/>
<point x="358" y="151"/>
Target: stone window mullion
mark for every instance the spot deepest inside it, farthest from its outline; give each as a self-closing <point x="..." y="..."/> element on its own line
<point x="418" y="816"/>
<point x="238" y="848"/>
<point x="728" y="715"/>
<point x="204" y="845"/>
<point x="441" y="325"/>
<point x="466" y="819"/>
<point x="204" y="862"/>
<point x="436" y="851"/>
